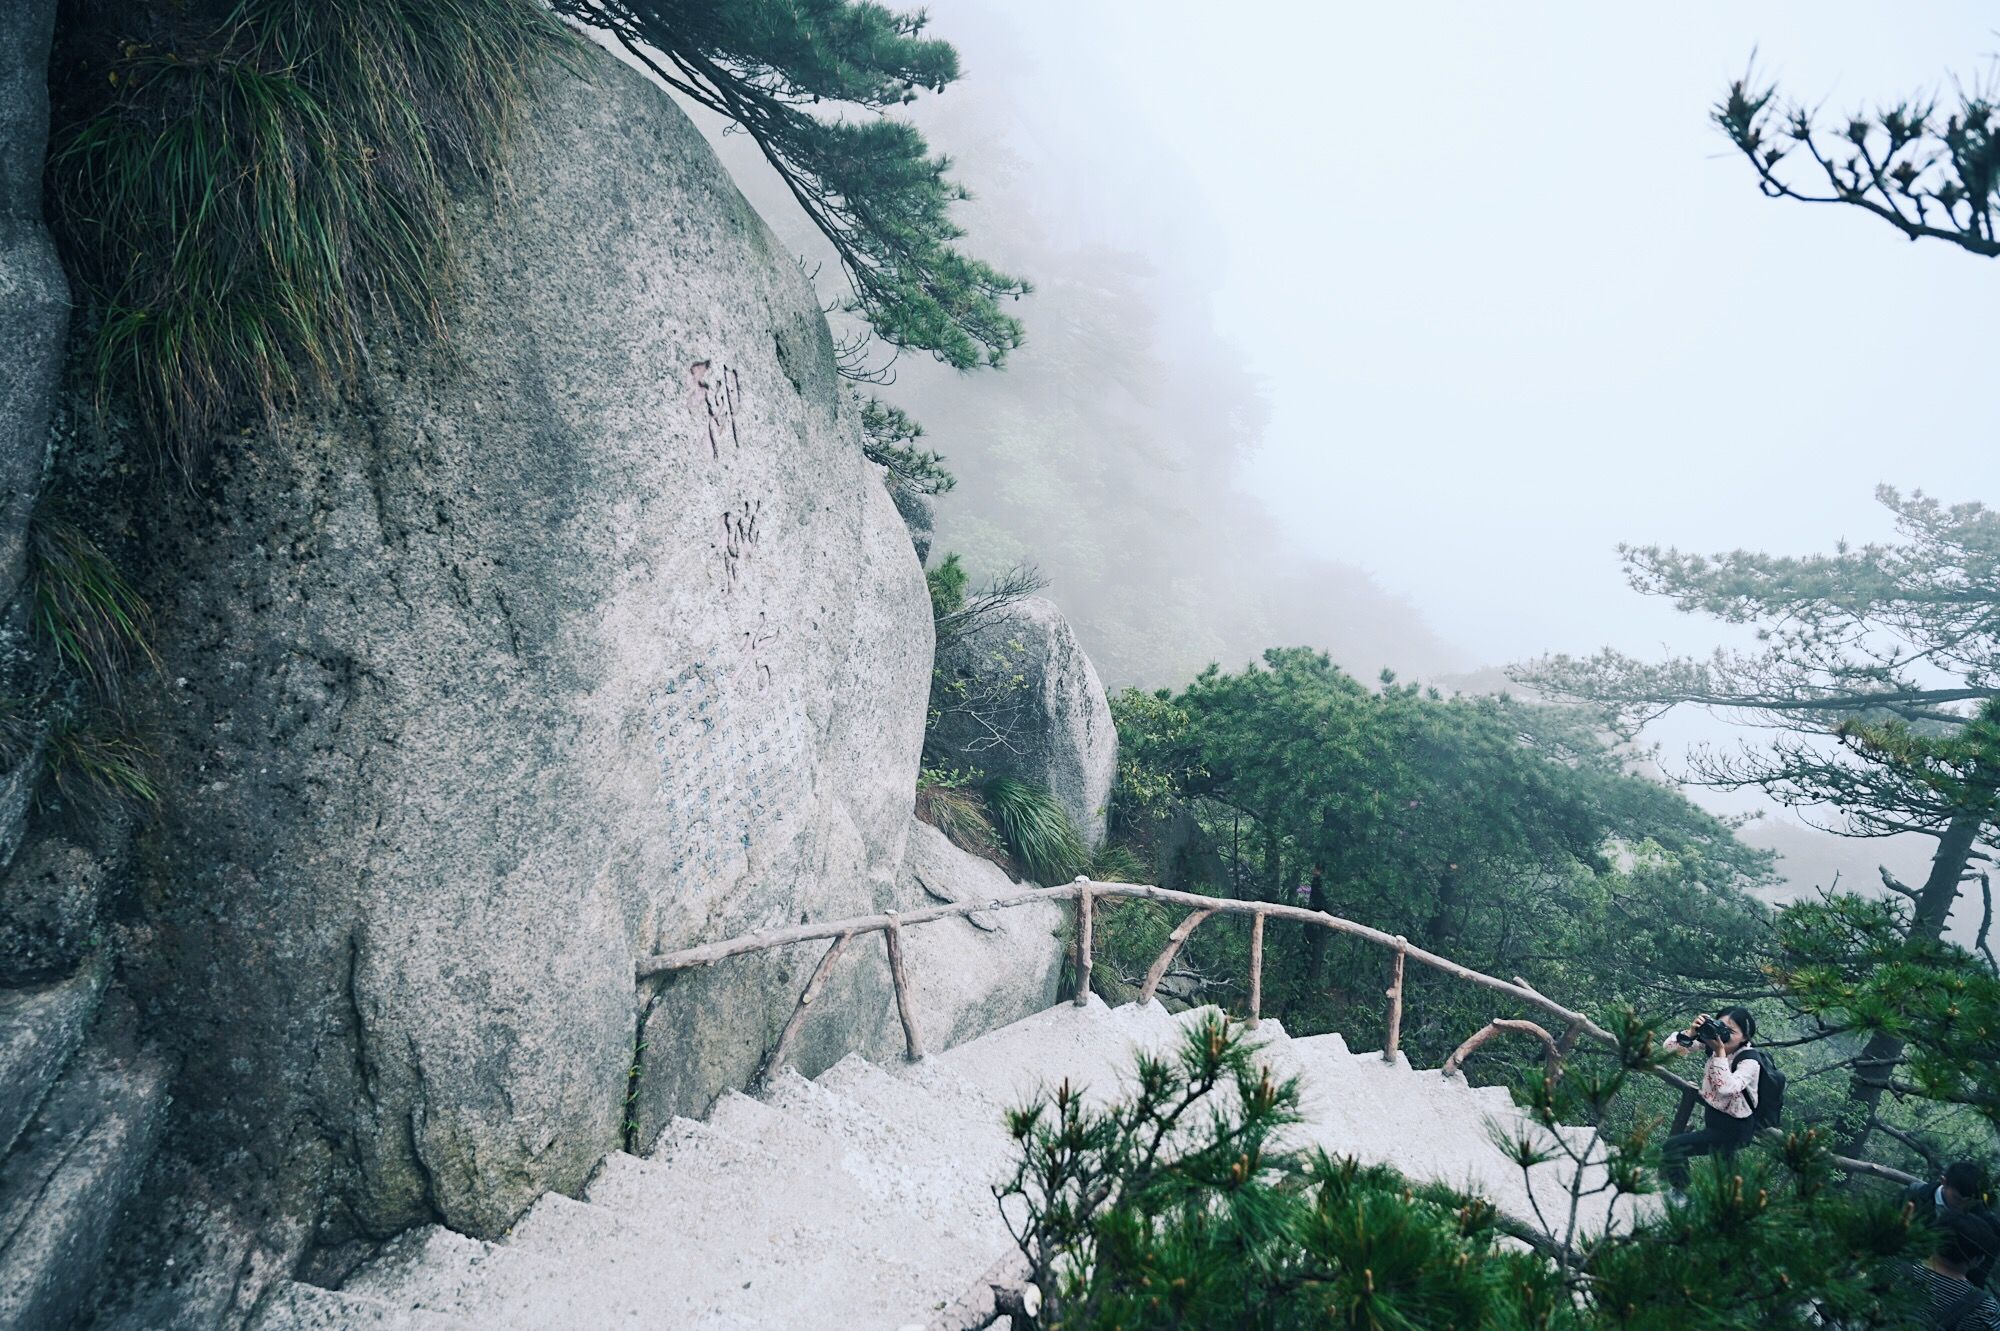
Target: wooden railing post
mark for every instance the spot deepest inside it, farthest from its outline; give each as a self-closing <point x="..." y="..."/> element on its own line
<point x="893" y="937"/>
<point x="776" y="1058"/>
<point x="1083" y="945"/>
<point x="1454" y="1065"/>
<point x="1396" y="1002"/>
<point x="1158" y="970"/>
<point x="1256" y="968"/>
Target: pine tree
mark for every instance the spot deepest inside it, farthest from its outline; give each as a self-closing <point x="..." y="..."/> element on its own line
<point x="869" y="183"/>
<point x="1930" y="173"/>
<point x="1177" y="1208"/>
<point x="1878" y="675"/>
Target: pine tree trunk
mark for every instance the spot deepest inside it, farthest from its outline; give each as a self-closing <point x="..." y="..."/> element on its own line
<point x="1443" y="927"/>
<point x="1934" y="901"/>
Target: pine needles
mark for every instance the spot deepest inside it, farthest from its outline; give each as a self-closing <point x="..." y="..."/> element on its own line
<point x="244" y="201"/>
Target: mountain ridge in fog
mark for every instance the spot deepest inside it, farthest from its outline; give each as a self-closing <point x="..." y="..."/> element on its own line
<point x="1105" y="452"/>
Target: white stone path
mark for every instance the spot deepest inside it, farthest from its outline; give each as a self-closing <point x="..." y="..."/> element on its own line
<point x="861" y="1199"/>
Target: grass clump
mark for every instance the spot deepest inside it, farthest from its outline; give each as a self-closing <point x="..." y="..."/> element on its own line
<point x="99" y="631"/>
<point x="1036" y="830"/>
<point x="99" y="626"/>
<point x="1116" y="864"/>
<point x="951" y="802"/>
<point x="240" y="193"/>
<point x="96" y="763"/>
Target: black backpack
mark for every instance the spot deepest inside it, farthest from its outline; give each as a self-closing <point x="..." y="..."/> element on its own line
<point x="1769" y="1103"/>
<point x="1953" y="1318"/>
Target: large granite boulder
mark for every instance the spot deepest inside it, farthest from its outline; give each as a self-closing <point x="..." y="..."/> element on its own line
<point x="976" y="974"/>
<point x="1039" y="715"/>
<point x="590" y="635"/>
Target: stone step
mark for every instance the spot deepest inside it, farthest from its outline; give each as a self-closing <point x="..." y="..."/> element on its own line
<point x="895" y="1156"/>
<point x="1064" y="1042"/>
<point x="803" y="1249"/>
<point x="300" y="1307"/>
<point x="490" y="1285"/>
<point x="69" y="1178"/>
<point x="848" y="1167"/>
<point x="962" y="1122"/>
<point x="41" y="1027"/>
<point x="780" y="1174"/>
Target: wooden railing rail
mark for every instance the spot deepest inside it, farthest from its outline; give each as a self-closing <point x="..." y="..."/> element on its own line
<point x="1084" y="892"/>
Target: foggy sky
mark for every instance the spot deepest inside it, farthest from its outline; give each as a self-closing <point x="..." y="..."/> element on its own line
<point x="1511" y="298"/>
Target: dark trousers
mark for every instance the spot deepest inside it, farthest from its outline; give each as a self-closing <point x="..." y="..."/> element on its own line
<point x="1718" y="1133"/>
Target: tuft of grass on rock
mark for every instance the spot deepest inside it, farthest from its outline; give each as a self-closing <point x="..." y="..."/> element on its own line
<point x="96" y="765"/>
<point x="1037" y="830"/>
<point x="1116" y="864"/>
<point x="239" y="201"/>
<point x="99" y="626"/>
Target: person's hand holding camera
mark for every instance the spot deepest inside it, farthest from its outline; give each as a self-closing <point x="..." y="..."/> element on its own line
<point x="1705" y="1031"/>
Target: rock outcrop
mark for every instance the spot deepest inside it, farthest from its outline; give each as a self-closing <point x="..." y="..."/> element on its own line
<point x="1040" y="715"/>
<point x="34" y="295"/>
<point x="50" y="917"/>
<point x="592" y="635"/>
<point x="919" y="513"/>
<point x="71" y="1175"/>
<point x="980" y="973"/>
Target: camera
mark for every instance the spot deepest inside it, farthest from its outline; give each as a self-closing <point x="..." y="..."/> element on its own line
<point x="1708" y="1028"/>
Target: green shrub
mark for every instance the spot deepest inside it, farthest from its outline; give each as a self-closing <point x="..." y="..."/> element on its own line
<point x="947" y="584"/>
<point x="1037" y="830"/>
<point x="1178" y="1207"/>
<point x="1116" y="864"/>
<point x="951" y="802"/>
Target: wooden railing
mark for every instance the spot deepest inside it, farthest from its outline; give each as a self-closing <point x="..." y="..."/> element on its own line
<point x="1085" y="892"/>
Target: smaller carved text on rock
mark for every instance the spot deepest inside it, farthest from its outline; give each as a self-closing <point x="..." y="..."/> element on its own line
<point x="739" y="536"/>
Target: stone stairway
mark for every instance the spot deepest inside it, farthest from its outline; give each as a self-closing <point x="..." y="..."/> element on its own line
<point x="861" y="1199"/>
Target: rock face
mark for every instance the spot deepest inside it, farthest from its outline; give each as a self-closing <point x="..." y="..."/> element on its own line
<point x="34" y="295"/>
<point x="592" y="636"/>
<point x="981" y="973"/>
<point x="40" y="1028"/>
<point x="919" y="516"/>
<point x="1044" y="718"/>
<point x="70" y="1176"/>
<point x="52" y="898"/>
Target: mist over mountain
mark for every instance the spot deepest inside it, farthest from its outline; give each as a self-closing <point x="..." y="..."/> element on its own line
<point x="1106" y="452"/>
<point x="1104" y="456"/>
